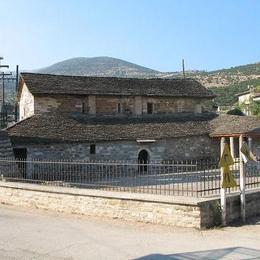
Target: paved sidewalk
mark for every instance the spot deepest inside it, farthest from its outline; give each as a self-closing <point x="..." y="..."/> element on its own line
<point x="32" y="234"/>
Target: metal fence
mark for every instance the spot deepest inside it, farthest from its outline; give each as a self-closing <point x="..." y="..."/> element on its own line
<point x="186" y="178"/>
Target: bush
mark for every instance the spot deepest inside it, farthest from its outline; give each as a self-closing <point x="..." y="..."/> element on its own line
<point x="236" y="111"/>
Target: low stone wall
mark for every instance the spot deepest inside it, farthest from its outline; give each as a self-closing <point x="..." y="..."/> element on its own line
<point x="252" y="205"/>
<point x="172" y="211"/>
<point x="211" y="213"/>
<point x="147" y="208"/>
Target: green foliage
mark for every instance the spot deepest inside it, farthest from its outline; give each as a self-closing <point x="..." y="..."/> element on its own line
<point x="227" y="95"/>
<point x="257" y="88"/>
<point x="248" y="69"/>
<point x="236" y="111"/>
<point x="254" y="107"/>
<point x="215" y="210"/>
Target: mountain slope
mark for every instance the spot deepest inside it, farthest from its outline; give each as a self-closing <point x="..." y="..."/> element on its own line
<point x="98" y="66"/>
<point x="231" y="76"/>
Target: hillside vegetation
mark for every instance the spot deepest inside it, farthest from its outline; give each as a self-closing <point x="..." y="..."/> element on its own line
<point x="227" y="95"/>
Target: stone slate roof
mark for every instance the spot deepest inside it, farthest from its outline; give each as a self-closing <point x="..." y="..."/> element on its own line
<point x="47" y="84"/>
<point x="235" y="125"/>
<point x="47" y="128"/>
<point x="76" y="128"/>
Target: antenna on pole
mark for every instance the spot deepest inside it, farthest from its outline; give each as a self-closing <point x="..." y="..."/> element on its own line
<point x="3" y="66"/>
<point x="183" y="68"/>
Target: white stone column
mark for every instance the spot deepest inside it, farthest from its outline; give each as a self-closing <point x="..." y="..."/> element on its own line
<point x="242" y="183"/>
<point x="250" y="143"/>
<point x="222" y="142"/>
<point x="223" y="190"/>
<point x="232" y="146"/>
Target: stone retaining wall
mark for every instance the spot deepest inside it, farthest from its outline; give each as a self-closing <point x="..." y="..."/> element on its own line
<point x="211" y="214"/>
<point x="172" y="211"/>
<point x="147" y="208"/>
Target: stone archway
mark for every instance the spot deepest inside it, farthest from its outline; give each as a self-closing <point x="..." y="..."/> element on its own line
<point x="143" y="156"/>
<point x="143" y="160"/>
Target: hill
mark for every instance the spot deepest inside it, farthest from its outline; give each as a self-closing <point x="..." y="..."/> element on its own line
<point x="231" y="76"/>
<point x="99" y="66"/>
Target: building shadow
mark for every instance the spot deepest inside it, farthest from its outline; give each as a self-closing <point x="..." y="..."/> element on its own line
<point x="253" y="221"/>
<point x="222" y="253"/>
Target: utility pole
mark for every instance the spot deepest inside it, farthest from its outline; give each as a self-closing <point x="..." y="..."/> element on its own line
<point x="16" y="91"/>
<point x="3" y="90"/>
<point x="183" y="68"/>
<point x="4" y="112"/>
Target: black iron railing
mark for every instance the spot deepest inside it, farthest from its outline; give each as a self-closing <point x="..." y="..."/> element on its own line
<point x="185" y="178"/>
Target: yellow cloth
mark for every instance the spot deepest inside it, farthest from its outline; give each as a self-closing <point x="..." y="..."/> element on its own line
<point x="228" y="180"/>
<point x="226" y="157"/>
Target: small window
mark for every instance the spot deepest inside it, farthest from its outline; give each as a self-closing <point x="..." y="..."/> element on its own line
<point x="149" y="108"/>
<point x="92" y="149"/>
<point x="119" y="108"/>
<point x="83" y="107"/>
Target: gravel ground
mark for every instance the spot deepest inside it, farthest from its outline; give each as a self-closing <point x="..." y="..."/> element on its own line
<point x="35" y="234"/>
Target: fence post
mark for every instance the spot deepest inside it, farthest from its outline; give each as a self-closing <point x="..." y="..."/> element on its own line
<point x="242" y="182"/>
<point x="232" y="146"/>
<point x="223" y="201"/>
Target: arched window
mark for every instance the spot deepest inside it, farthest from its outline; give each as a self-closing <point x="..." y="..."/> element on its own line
<point x="143" y="156"/>
<point x="143" y="159"/>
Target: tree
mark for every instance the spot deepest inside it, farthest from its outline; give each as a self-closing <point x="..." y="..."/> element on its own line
<point x="236" y="111"/>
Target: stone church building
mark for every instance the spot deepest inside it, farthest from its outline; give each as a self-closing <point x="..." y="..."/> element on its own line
<point x="103" y="118"/>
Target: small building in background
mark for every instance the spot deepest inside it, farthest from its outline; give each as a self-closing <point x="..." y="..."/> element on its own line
<point x="247" y="99"/>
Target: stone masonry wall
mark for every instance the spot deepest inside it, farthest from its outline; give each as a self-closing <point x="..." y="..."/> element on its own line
<point x="171" y="211"/>
<point x="148" y="208"/>
<point x="165" y="105"/>
<point x="26" y="103"/>
<point x="211" y="214"/>
<point x="195" y="147"/>
<point x="108" y="105"/>
<point x="61" y="104"/>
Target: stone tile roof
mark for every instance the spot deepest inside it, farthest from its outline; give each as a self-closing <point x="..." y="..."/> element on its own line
<point x="76" y="128"/>
<point x="235" y="125"/>
<point x="79" y="128"/>
<point x="46" y="84"/>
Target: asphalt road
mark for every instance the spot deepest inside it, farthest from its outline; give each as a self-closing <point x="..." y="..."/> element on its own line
<point x="32" y="234"/>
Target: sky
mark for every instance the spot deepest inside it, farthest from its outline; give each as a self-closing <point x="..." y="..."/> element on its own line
<point x="208" y="34"/>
